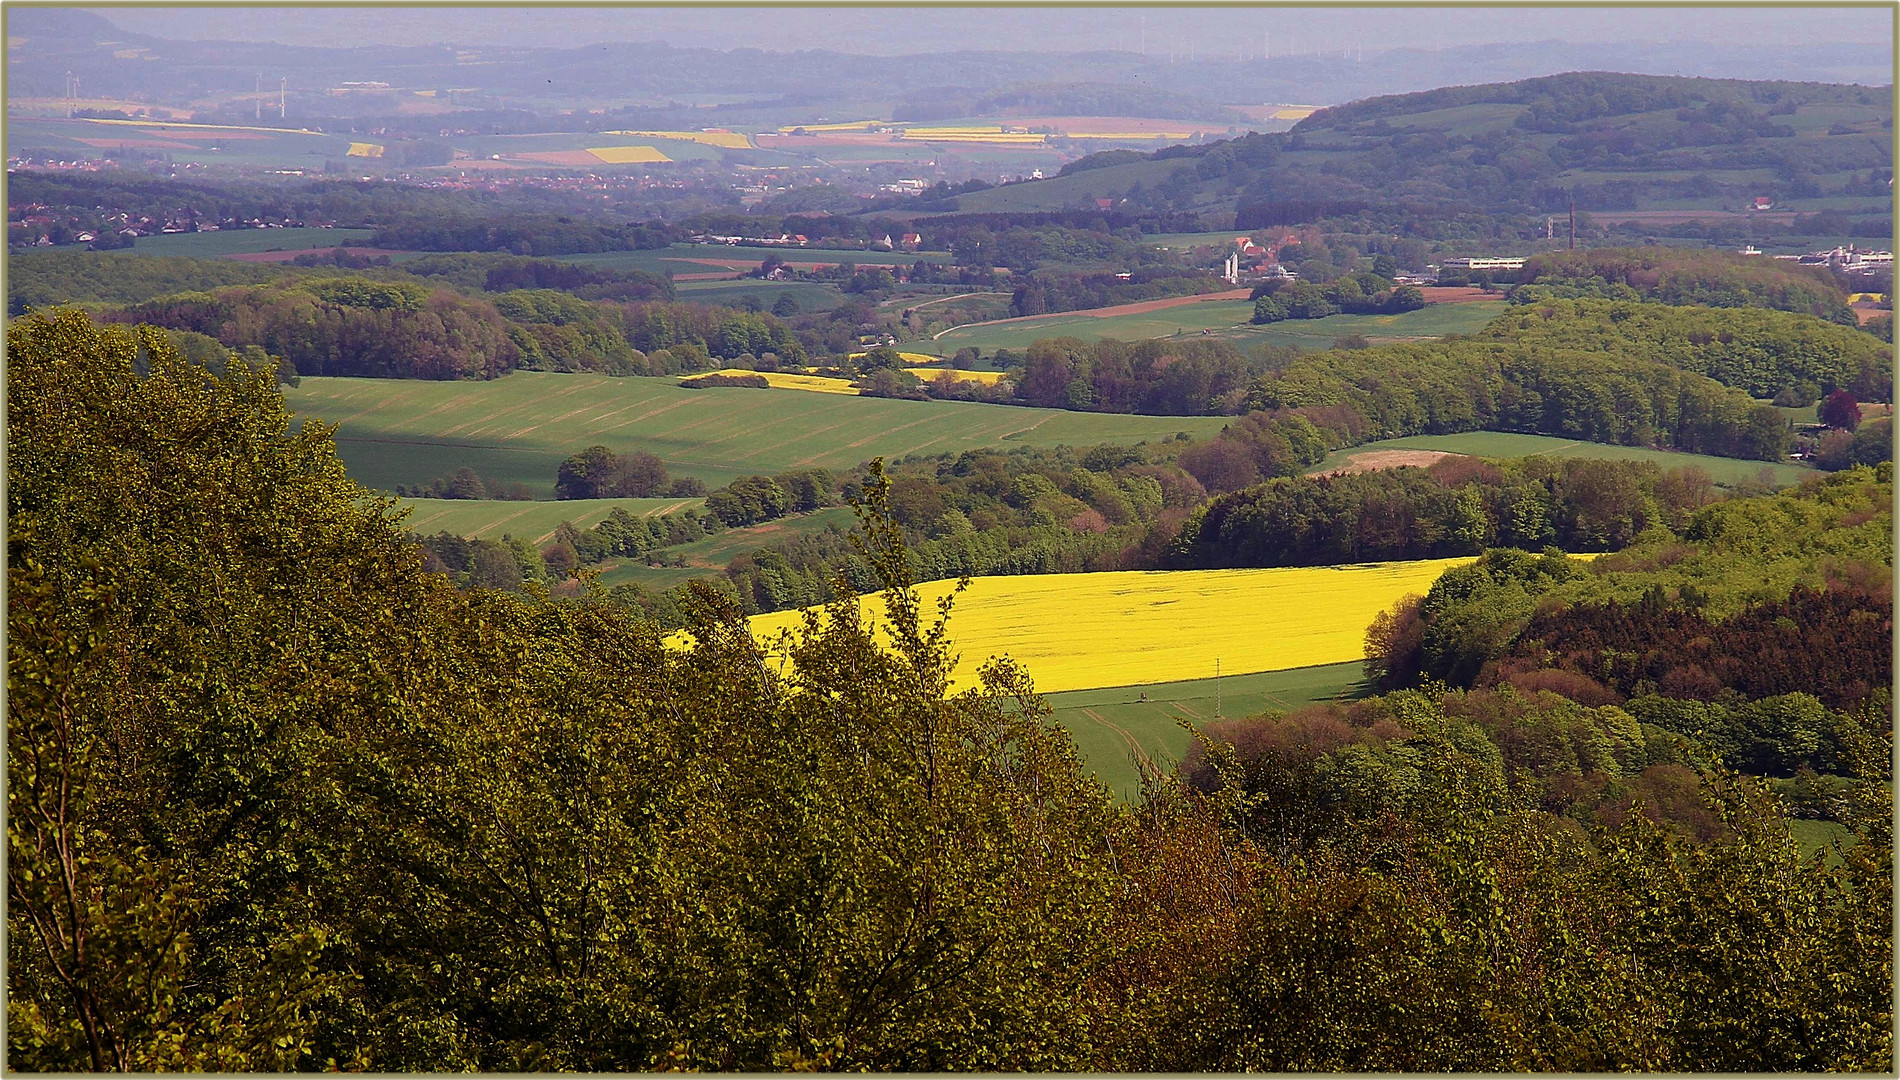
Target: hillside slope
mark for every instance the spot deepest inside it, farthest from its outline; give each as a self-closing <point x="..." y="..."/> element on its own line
<point x="1614" y="142"/>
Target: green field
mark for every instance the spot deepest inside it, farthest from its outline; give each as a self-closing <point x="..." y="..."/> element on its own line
<point x="181" y="145"/>
<point x="1425" y="324"/>
<point x="1190" y="241"/>
<point x="1726" y="472"/>
<point x="1813" y="837"/>
<point x="810" y="295"/>
<point x="520" y="428"/>
<point x="678" y="259"/>
<point x="490" y="519"/>
<point x="1108" y="724"/>
<point x="214" y="245"/>
<point x="1227" y="319"/>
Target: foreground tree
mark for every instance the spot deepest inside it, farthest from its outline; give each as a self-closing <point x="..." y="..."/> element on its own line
<point x="278" y="799"/>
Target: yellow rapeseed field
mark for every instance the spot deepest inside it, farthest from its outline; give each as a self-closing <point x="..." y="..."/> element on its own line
<point x="627" y="155"/>
<point x="1295" y="112"/>
<point x="731" y="140"/>
<point x="1083" y="631"/>
<point x="929" y="374"/>
<point x="913" y="357"/>
<point x="788" y="380"/>
<point x="365" y="149"/>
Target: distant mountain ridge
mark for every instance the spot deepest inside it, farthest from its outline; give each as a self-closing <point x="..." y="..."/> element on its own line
<point x="1610" y="141"/>
<point x="831" y="77"/>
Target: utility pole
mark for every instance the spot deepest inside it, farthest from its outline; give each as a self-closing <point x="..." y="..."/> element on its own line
<point x="1573" y="223"/>
<point x="283" y="86"/>
<point x="1217" y="715"/>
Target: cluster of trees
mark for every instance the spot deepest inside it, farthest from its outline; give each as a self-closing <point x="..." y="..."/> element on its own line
<point x="279" y="799"/>
<point x="1867" y="444"/>
<point x="979" y="513"/>
<point x="1456" y="506"/>
<point x="1741" y="559"/>
<point x="1362" y="293"/>
<point x="52" y="278"/>
<point x="1194" y="377"/>
<point x="95" y="199"/>
<point x="465" y="483"/>
<point x="1045" y="293"/>
<point x="1676" y="275"/>
<point x="1834" y="644"/>
<point x="507" y="273"/>
<point x="347" y="326"/>
<point x="1464" y="384"/>
<point x="517" y="234"/>
<point x="1768" y="353"/>
<point x="599" y="473"/>
<point x="401" y="325"/>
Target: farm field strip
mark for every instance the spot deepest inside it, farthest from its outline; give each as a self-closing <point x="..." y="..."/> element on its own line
<point x="520" y="427"/>
<point x="791" y="380"/>
<point x="987" y="378"/>
<point x="1727" y="472"/>
<point x="490" y="519"/>
<point x="1119" y="628"/>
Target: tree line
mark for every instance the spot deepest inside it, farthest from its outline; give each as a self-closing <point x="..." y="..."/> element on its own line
<point x="407" y="327"/>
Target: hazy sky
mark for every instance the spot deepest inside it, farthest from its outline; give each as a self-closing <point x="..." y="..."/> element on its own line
<point x="1018" y="27"/>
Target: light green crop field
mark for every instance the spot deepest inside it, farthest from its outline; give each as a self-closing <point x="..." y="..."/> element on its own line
<point x="1726" y="472"/>
<point x="1190" y="241"/>
<point x="520" y="428"/>
<point x="679" y="259"/>
<point x="491" y="519"/>
<point x="182" y="144"/>
<point x="1425" y="324"/>
<point x="1110" y="725"/>
<point x="1226" y="319"/>
<point x="213" y="245"/>
<point x="1813" y="837"/>
<point x="810" y="295"/>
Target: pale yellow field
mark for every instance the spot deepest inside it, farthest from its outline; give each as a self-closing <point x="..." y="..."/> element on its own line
<point x="1295" y="112"/>
<point x="929" y="374"/>
<point x="365" y="149"/>
<point x="788" y="380"/>
<point x="855" y="125"/>
<point x="1082" y="631"/>
<point x="201" y="127"/>
<point x="1129" y="134"/>
<point x="731" y="140"/>
<point x="627" y="155"/>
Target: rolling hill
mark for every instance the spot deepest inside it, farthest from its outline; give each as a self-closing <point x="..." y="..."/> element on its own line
<point x="1615" y="142"/>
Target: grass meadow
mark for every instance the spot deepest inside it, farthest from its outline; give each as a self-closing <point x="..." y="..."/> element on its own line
<point x="1111" y="726"/>
<point x="491" y="519"/>
<point x="519" y="428"/>
<point x="1726" y="472"/>
<point x="1226" y="319"/>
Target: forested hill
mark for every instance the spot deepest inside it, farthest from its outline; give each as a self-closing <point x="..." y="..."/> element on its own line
<point x="1614" y="141"/>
